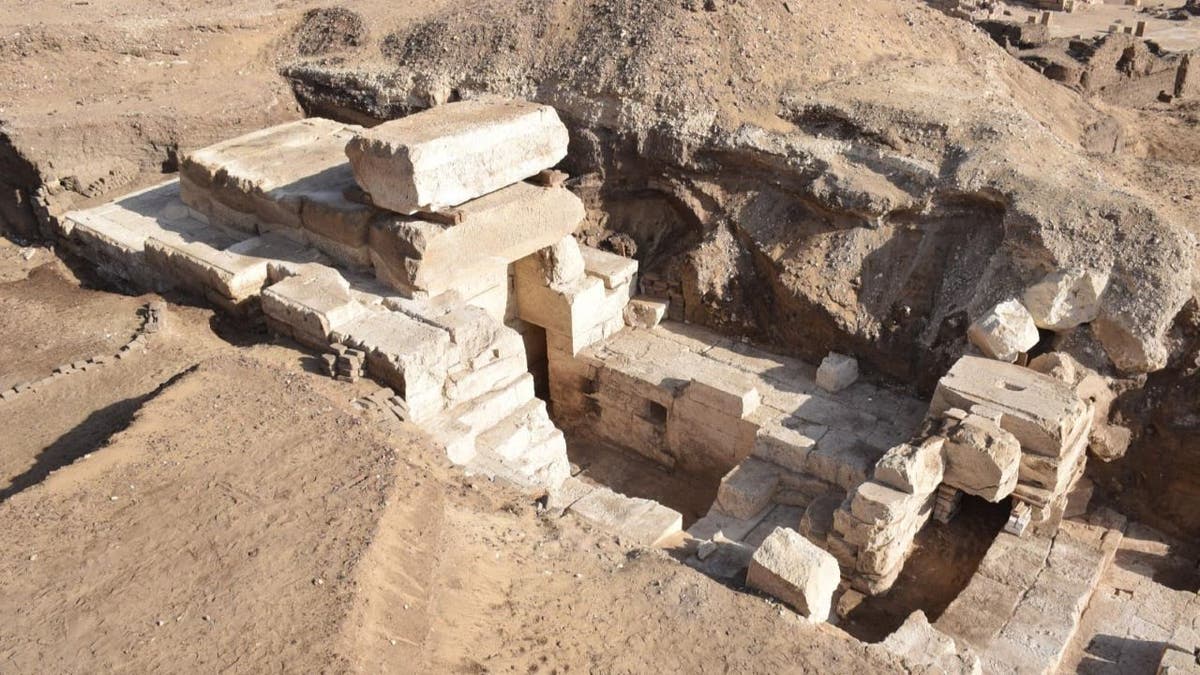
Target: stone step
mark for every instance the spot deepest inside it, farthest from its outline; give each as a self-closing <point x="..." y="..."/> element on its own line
<point x="513" y="435"/>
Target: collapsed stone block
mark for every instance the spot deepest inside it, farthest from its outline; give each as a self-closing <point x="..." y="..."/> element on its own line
<point x="454" y="153"/>
<point x="913" y="468"/>
<point x="1005" y="331"/>
<point x="1042" y="412"/>
<point x="837" y="371"/>
<point x="797" y="571"/>
<point x="982" y="459"/>
<point x="1066" y="298"/>
<point x="1058" y="365"/>
<point x="748" y="488"/>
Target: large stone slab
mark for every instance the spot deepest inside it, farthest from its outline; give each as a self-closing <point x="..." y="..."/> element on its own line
<point x="454" y="153"/>
<point x="292" y="176"/>
<point x="495" y="230"/>
<point x="797" y="571"/>
<point x="1041" y="411"/>
<point x="410" y="356"/>
<point x="311" y="306"/>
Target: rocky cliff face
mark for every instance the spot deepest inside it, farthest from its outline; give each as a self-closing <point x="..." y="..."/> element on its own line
<point x="868" y="179"/>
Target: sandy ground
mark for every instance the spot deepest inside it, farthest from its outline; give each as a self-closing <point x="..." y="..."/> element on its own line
<point x="214" y="505"/>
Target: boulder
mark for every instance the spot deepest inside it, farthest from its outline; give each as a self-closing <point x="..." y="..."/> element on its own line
<point x="1005" y="331"/>
<point x="1066" y="298"/>
<point x="797" y="571"/>
<point x="453" y="153"/>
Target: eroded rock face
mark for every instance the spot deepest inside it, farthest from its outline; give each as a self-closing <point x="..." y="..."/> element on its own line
<point x="785" y="189"/>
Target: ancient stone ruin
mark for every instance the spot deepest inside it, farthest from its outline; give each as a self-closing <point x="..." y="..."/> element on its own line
<point x="434" y="254"/>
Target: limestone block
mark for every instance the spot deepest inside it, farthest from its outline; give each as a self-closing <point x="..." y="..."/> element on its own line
<point x="748" y="488"/>
<point x="874" y="502"/>
<point x="563" y="309"/>
<point x="982" y="459"/>
<point x="293" y="176"/>
<point x="465" y="382"/>
<point x="782" y="446"/>
<point x="614" y="270"/>
<point x="563" y="496"/>
<point x="1042" y="412"/>
<point x="561" y="262"/>
<point x="1175" y="661"/>
<point x="644" y="312"/>
<point x="1109" y="441"/>
<point x="409" y="356"/>
<point x="471" y="328"/>
<point x="797" y="571"/>
<point x="913" y="468"/>
<point x="641" y="521"/>
<point x="817" y="521"/>
<point x="1005" y="331"/>
<point x="920" y="644"/>
<point x="837" y="371"/>
<point x="1064" y="299"/>
<point x="199" y="266"/>
<point x="735" y="395"/>
<point x="312" y="305"/>
<point x="495" y="230"/>
<point x="454" y="153"/>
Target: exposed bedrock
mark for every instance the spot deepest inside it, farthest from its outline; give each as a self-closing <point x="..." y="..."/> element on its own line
<point x="782" y="185"/>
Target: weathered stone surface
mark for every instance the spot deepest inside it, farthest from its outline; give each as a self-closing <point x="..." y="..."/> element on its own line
<point x="496" y="230"/>
<point x="561" y="262"/>
<point x="1004" y="331"/>
<point x="874" y="502"/>
<point x="312" y="305"/>
<point x="796" y="571"/>
<point x="410" y="356"/>
<point x="614" y="270"/>
<point x="913" y="468"/>
<point x="641" y="521"/>
<point x="292" y="176"/>
<point x="783" y="446"/>
<point x="982" y="459"/>
<point x="1109" y="441"/>
<point x="453" y="153"/>
<point x="748" y="488"/>
<point x="1058" y="365"/>
<point x="837" y="371"/>
<point x="1066" y="298"/>
<point x="735" y="395"/>
<point x="920" y="644"/>
<point x="1177" y="662"/>
<point x="644" y="312"/>
<point x="1042" y="412"/>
